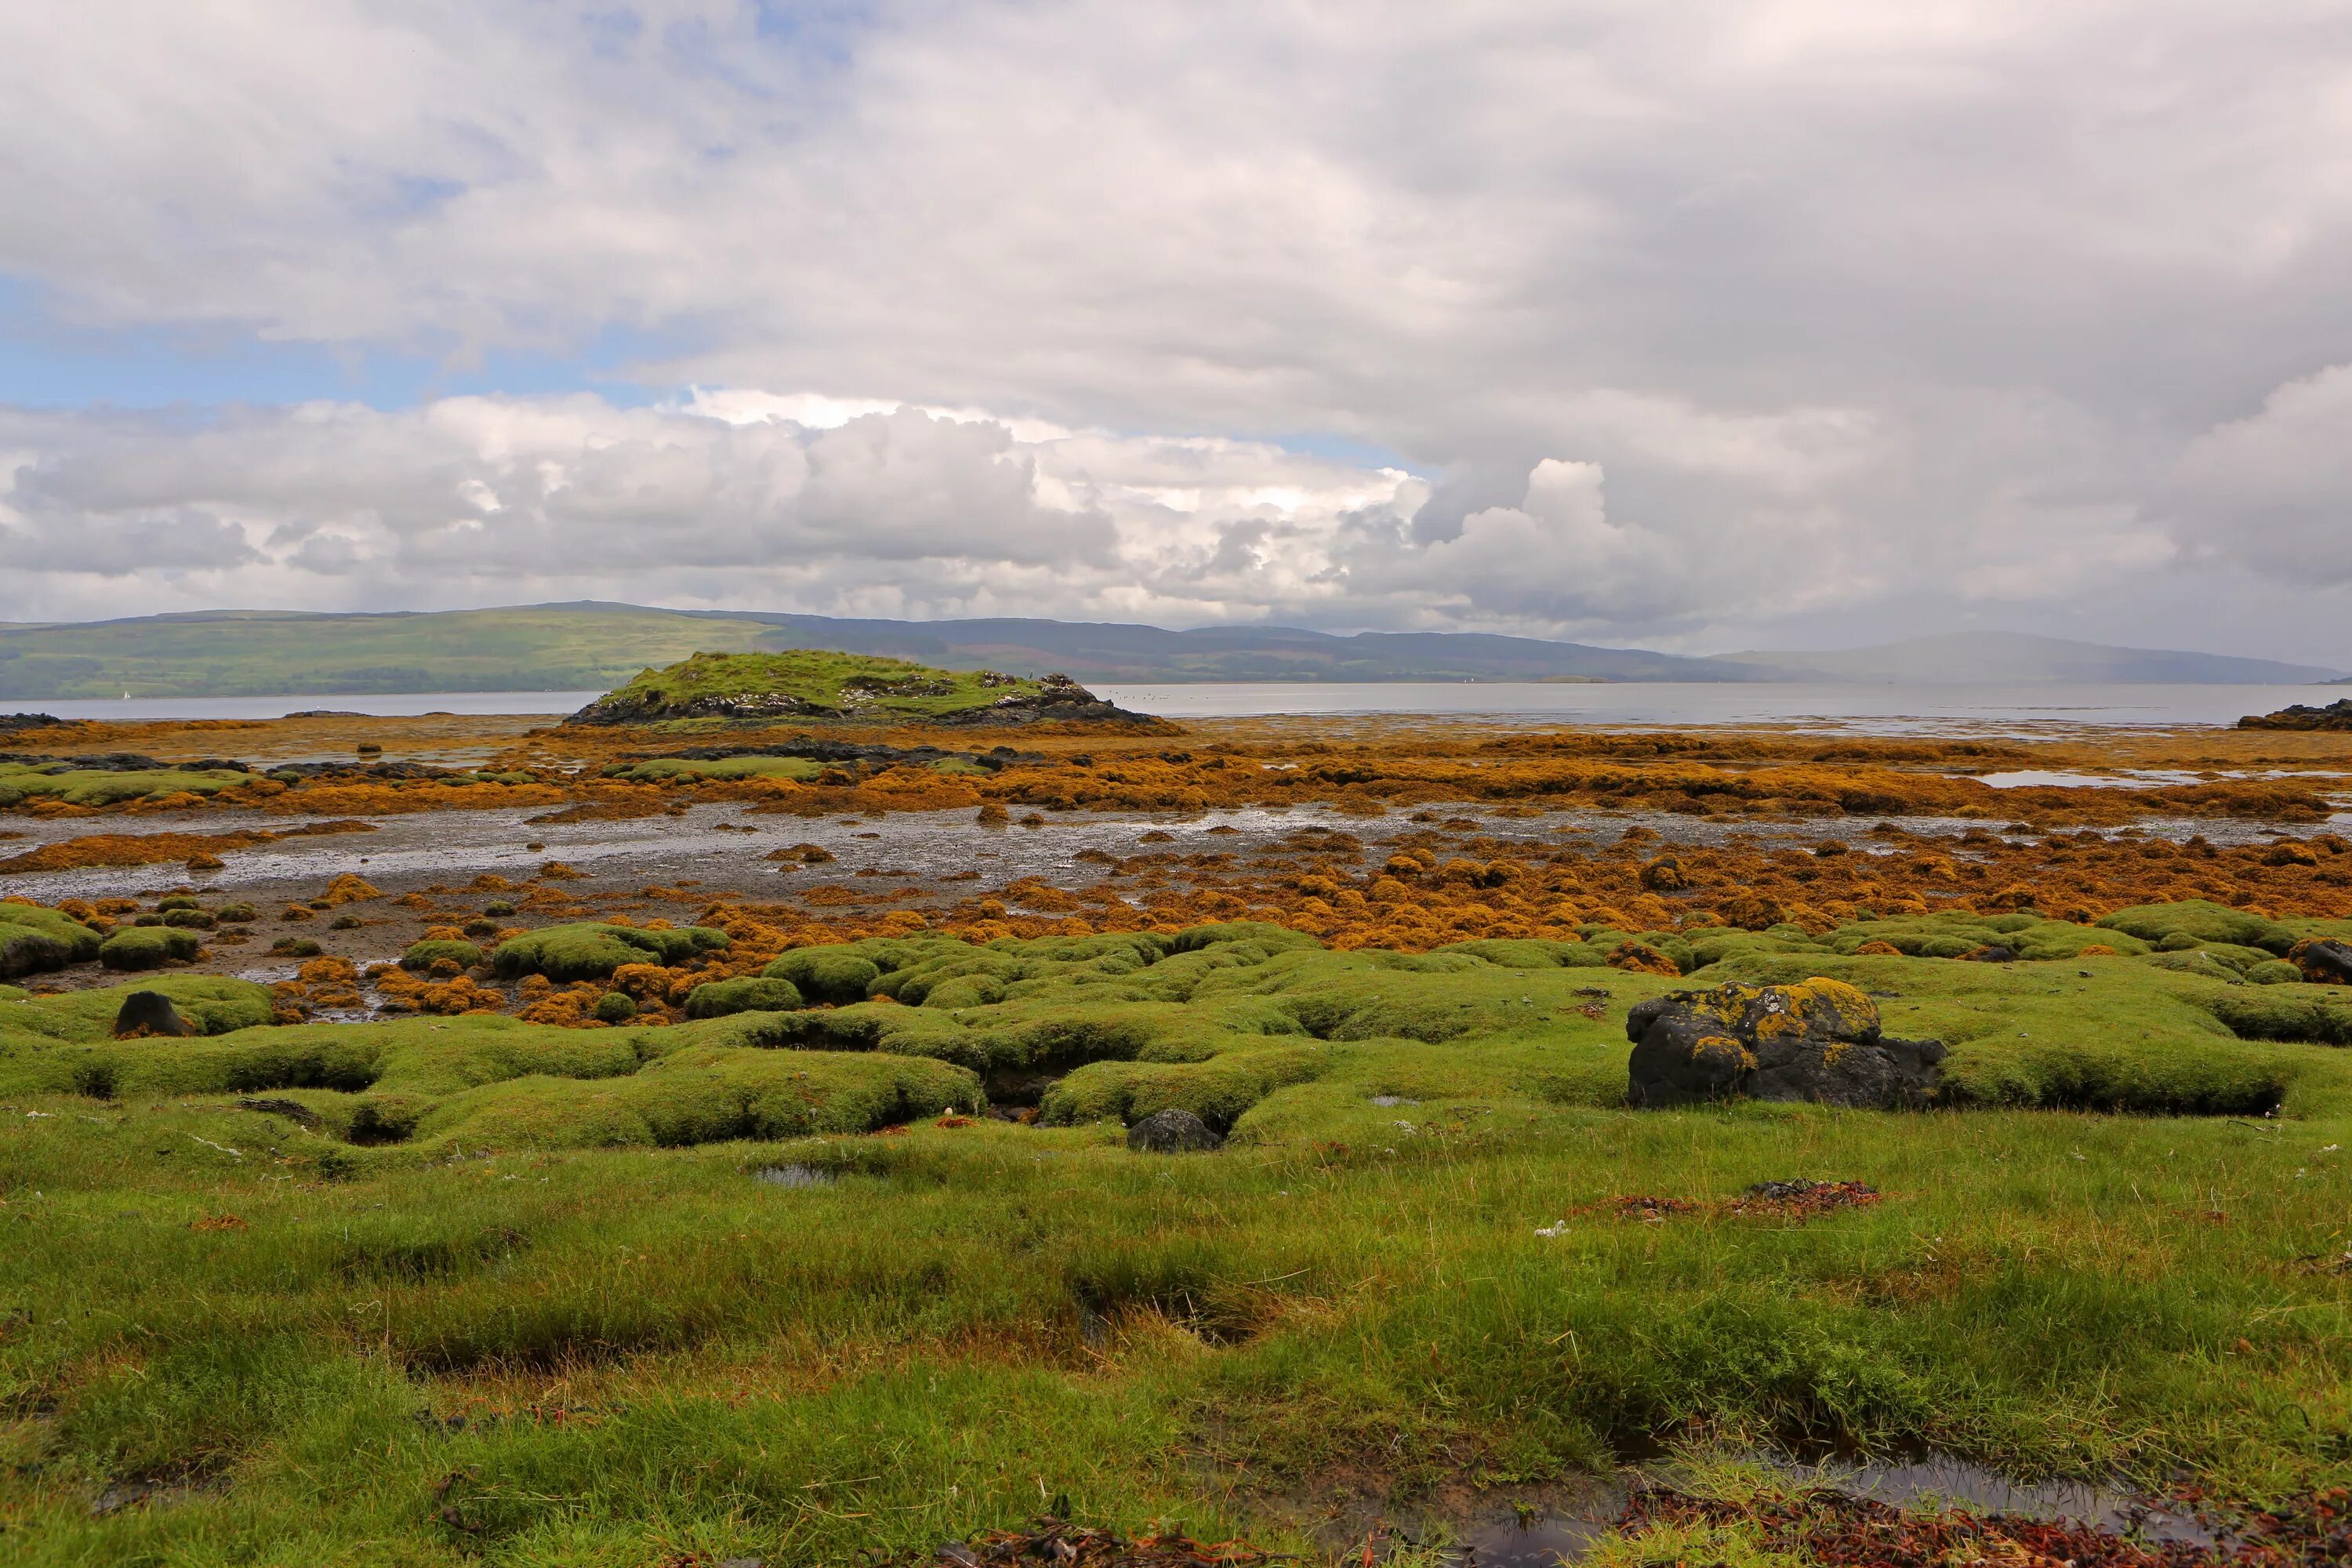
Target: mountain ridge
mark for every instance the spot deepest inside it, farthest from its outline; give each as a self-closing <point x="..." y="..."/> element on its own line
<point x="597" y="644"/>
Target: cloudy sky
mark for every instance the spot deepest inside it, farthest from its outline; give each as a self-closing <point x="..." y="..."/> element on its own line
<point x="1704" y="325"/>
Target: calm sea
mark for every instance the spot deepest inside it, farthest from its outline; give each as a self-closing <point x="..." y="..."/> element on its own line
<point x="1893" y="709"/>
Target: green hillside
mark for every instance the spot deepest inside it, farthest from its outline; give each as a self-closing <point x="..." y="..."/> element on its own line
<point x="239" y="653"/>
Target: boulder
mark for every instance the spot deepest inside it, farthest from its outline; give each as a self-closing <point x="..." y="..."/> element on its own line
<point x="2324" y="962"/>
<point x="1819" y="1041"/>
<point x="1172" y="1131"/>
<point x="150" y="1011"/>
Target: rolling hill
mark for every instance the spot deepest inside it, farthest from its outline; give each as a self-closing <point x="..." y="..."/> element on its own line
<point x="595" y="646"/>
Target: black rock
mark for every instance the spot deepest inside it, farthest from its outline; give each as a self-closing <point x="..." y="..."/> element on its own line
<point x="150" y="1011"/>
<point x="1172" y="1131"/>
<point x="2328" y="963"/>
<point x="14" y="724"/>
<point x="2336" y="715"/>
<point x="1995" y="954"/>
<point x="1817" y="1041"/>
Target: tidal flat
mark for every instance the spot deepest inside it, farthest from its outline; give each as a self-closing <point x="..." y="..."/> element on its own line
<point x="829" y="1047"/>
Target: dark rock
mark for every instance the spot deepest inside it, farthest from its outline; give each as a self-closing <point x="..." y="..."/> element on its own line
<point x="2323" y="962"/>
<point x="15" y="724"/>
<point x="150" y="1011"/>
<point x="1817" y="1041"/>
<point x="1995" y="953"/>
<point x="1172" y="1131"/>
<point x="2336" y="715"/>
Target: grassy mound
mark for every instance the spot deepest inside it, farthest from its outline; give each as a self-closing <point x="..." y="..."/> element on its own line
<point x="1439" y="1247"/>
<point x="148" y="947"/>
<point x="471" y="1080"/>
<point x="34" y="941"/>
<point x="591" y="949"/>
<point x="64" y="783"/>
<point x="801" y="684"/>
<point x="752" y="993"/>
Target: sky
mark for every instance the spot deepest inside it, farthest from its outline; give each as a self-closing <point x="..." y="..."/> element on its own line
<point x="1709" y="326"/>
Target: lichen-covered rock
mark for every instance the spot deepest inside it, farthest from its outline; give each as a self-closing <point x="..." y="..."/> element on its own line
<point x="1172" y="1131"/>
<point x="1819" y="1040"/>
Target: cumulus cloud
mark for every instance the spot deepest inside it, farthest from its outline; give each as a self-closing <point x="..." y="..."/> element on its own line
<point x="2274" y="490"/>
<point x="1875" y="319"/>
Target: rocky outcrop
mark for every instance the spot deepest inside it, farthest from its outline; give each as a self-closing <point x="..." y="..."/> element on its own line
<point x="650" y="708"/>
<point x="2323" y="962"/>
<point x="1057" y="697"/>
<point x="1817" y="1041"/>
<point x="2336" y="715"/>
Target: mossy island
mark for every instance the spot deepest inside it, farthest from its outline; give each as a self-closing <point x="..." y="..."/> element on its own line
<point x="844" y="687"/>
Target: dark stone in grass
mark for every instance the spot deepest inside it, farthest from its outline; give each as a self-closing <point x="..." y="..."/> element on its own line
<point x="1172" y="1131"/>
<point x="1995" y="954"/>
<point x="150" y="1011"/>
<point x="2325" y="963"/>
<point x="1817" y="1041"/>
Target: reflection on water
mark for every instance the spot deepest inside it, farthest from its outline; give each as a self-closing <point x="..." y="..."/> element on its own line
<point x="1541" y="1542"/>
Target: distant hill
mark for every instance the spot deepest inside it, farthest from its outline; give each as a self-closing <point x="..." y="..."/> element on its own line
<point x="2017" y="659"/>
<point x="595" y="647"/>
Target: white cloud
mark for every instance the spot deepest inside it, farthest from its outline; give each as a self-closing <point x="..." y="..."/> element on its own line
<point x="2274" y="490"/>
<point x="1889" y="315"/>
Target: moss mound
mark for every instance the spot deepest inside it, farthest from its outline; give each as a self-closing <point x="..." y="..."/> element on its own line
<point x="2201" y="921"/>
<point x="752" y="994"/>
<point x="591" y="949"/>
<point x="423" y="956"/>
<point x="34" y="941"/>
<point x="148" y="947"/>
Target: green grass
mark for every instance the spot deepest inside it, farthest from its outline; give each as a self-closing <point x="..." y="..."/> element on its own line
<point x="557" y="1234"/>
<point x="854" y="685"/>
<point x="34" y="941"/>
<point x="21" y="782"/>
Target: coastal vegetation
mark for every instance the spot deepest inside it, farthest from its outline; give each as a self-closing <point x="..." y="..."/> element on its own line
<point x="803" y="1206"/>
<point x="426" y="1287"/>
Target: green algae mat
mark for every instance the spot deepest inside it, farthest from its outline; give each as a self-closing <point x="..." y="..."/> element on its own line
<point x="794" y="1283"/>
